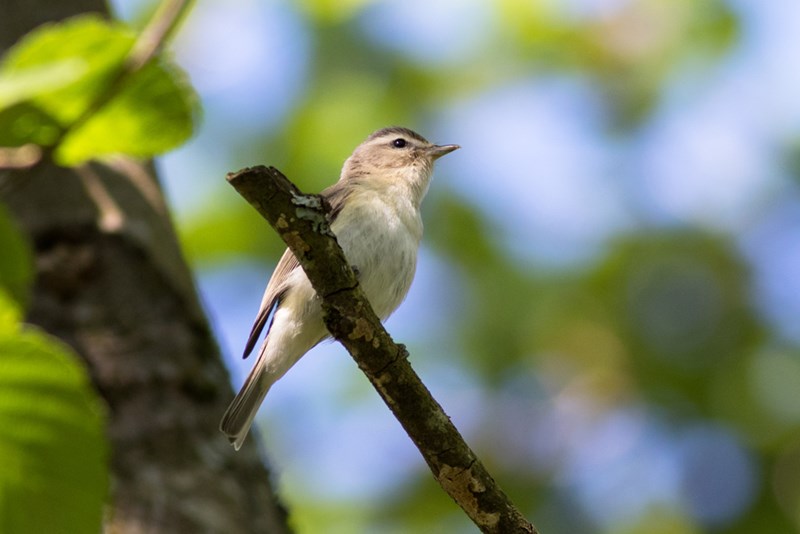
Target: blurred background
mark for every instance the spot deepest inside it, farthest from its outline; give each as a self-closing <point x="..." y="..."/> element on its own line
<point x="607" y="297"/>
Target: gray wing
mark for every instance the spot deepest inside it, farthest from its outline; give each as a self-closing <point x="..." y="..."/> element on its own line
<point x="276" y="288"/>
<point x="272" y="298"/>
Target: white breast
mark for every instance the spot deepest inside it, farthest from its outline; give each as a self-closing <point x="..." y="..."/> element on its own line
<point x="380" y="239"/>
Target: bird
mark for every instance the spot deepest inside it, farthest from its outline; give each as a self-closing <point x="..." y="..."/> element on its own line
<point x="375" y="215"/>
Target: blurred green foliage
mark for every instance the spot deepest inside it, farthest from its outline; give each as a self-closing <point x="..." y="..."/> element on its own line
<point x="52" y="80"/>
<point x="630" y="55"/>
<point x="54" y="469"/>
<point x="16" y="267"/>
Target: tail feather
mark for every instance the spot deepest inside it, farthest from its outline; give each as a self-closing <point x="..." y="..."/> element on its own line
<point x="239" y="416"/>
<point x="290" y="338"/>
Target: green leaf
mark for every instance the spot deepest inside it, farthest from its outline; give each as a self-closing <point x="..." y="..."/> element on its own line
<point x="29" y="82"/>
<point x="54" y="473"/>
<point x="25" y="123"/>
<point x="88" y="44"/>
<point x="54" y="76"/>
<point x="153" y="113"/>
<point x="10" y="314"/>
<point x="16" y="261"/>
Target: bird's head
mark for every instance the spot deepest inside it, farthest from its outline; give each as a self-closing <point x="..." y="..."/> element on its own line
<point x="395" y="156"/>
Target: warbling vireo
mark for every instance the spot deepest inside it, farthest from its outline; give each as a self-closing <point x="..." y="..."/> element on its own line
<point x="375" y="216"/>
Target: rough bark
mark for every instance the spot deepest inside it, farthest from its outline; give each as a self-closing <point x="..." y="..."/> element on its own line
<point x="111" y="282"/>
<point x="301" y="221"/>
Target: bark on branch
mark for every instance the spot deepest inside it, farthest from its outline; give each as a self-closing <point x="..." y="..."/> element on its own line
<point x="301" y="221"/>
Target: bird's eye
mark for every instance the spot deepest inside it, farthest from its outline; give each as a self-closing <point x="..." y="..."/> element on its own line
<point x="399" y="142"/>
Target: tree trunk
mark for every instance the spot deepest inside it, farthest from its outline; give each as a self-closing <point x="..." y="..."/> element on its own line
<point x="112" y="283"/>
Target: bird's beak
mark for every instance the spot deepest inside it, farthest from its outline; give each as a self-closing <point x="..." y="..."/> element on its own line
<point x="437" y="151"/>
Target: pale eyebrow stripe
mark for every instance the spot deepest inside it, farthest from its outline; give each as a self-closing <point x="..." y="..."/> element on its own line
<point x="397" y="130"/>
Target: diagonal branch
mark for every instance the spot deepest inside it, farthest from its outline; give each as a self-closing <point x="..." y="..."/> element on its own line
<point x="301" y="221"/>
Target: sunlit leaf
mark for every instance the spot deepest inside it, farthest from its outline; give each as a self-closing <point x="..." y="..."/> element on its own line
<point x="59" y="72"/>
<point x="53" y="474"/>
<point x="153" y="113"/>
<point x="87" y="44"/>
<point x="29" y="82"/>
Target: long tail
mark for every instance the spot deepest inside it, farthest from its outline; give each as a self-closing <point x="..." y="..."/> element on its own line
<point x="240" y="414"/>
